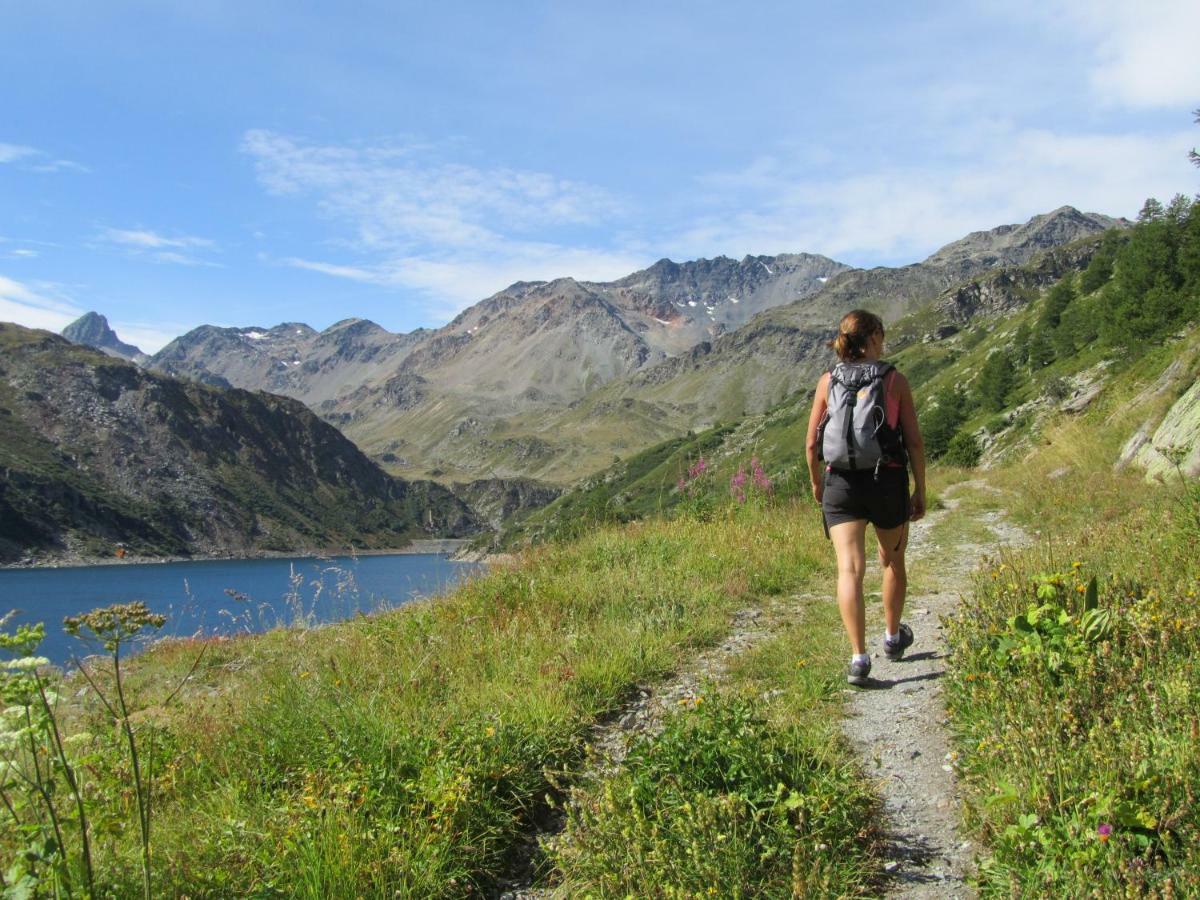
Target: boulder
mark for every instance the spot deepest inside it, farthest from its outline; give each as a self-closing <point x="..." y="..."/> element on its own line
<point x="1176" y="442"/>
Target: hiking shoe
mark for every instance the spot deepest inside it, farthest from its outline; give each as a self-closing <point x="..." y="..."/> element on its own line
<point x="894" y="649"/>
<point x="859" y="672"/>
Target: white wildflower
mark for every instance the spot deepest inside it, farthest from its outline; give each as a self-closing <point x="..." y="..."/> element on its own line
<point x="26" y="663"/>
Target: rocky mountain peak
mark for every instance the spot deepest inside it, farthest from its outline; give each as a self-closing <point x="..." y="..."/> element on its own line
<point x="92" y="330"/>
<point x="1016" y="244"/>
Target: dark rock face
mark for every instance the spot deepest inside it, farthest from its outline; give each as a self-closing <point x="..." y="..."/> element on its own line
<point x="495" y="500"/>
<point x="1013" y="287"/>
<point x="92" y="330"/>
<point x="97" y="451"/>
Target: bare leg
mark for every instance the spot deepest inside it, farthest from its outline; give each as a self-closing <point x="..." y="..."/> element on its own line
<point x="892" y="544"/>
<point x="849" y="543"/>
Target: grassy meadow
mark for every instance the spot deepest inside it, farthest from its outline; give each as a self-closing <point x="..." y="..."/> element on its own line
<point x="1074" y="686"/>
<point x="407" y="754"/>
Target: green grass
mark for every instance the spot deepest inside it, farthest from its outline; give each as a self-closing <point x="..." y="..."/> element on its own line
<point x="405" y="754"/>
<point x="1076" y="727"/>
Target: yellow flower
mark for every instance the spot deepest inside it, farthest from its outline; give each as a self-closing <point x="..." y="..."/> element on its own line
<point x="490" y="731"/>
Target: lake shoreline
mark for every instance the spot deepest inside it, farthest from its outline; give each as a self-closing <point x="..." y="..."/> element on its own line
<point x="445" y="546"/>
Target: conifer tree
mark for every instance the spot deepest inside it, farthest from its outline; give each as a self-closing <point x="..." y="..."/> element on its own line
<point x="1100" y="269"/>
<point x="996" y="379"/>
<point x="940" y="421"/>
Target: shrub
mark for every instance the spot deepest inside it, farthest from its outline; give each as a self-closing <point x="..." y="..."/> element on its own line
<point x="1057" y="389"/>
<point x="964" y="450"/>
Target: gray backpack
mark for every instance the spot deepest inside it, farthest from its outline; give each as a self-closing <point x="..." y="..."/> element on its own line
<point x="855" y="434"/>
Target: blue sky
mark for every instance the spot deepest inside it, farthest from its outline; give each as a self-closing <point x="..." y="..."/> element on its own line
<point x="173" y="164"/>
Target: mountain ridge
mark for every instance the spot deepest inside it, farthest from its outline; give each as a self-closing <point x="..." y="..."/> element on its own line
<point x="523" y="383"/>
<point x="97" y="452"/>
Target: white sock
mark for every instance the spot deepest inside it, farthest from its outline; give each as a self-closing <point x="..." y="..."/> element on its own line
<point x="891" y="637"/>
<point x="860" y="658"/>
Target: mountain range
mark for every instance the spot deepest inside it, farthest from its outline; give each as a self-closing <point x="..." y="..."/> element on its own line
<point x="551" y="380"/>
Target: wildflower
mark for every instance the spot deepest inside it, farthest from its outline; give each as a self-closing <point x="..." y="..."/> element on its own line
<point x="1103" y="832"/>
<point x="737" y="485"/>
<point x="26" y="663"/>
<point x="113" y="625"/>
<point x="490" y="731"/>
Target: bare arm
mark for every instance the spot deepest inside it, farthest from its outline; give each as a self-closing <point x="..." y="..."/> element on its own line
<point x="913" y="443"/>
<point x="811" y="450"/>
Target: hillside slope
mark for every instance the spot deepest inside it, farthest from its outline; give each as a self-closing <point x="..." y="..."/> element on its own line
<point x="96" y="452"/>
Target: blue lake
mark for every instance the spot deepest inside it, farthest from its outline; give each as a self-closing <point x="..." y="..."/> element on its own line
<point x="224" y="596"/>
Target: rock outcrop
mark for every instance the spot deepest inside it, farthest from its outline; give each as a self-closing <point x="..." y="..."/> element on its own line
<point x="1175" y="444"/>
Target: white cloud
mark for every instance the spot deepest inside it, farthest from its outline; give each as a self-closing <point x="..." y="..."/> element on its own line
<point x="150" y="240"/>
<point x="22" y="253"/>
<point x="1144" y="53"/>
<point x="161" y="248"/>
<point x="34" y="307"/>
<point x="900" y="213"/>
<point x="453" y="284"/>
<point x="397" y="195"/>
<point x="455" y="233"/>
<point x="13" y="152"/>
<point x="35" y="160"/>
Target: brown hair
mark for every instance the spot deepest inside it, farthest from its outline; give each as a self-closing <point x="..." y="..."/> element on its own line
<point x="854" y="331"/>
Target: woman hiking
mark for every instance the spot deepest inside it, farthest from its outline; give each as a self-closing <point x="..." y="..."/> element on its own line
<point x="862" y="438"/>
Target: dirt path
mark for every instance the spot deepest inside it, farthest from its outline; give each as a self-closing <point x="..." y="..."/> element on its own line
<point x="899" y="723"/>
<point x="899" y="726"/>
<point x="646" y="713"/>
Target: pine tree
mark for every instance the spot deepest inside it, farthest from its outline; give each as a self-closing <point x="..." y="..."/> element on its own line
<point x="1041" y="351"/>
<point x="1100" y="269"/>
<point x="1058" y="298"/>
<point x="996" y="379"/>
<point x="1145" y="300"/>
<point x="1194" y="156"/>
<point x="940" y="420"/>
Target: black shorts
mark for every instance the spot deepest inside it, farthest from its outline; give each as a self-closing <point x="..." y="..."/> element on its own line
<point x="852" y="496"/>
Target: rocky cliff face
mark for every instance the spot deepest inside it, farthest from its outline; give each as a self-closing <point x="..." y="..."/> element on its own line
<point x="92" y="330"/>
<point x="1013" y="286"/>
<point x="97" y="452"/>
<point x="497" y="500"/>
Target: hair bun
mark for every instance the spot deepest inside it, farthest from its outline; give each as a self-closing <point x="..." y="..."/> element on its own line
<point x="854" y="333"/>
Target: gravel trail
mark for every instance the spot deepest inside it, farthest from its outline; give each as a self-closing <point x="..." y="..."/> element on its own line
<point x="898" y="723"/>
